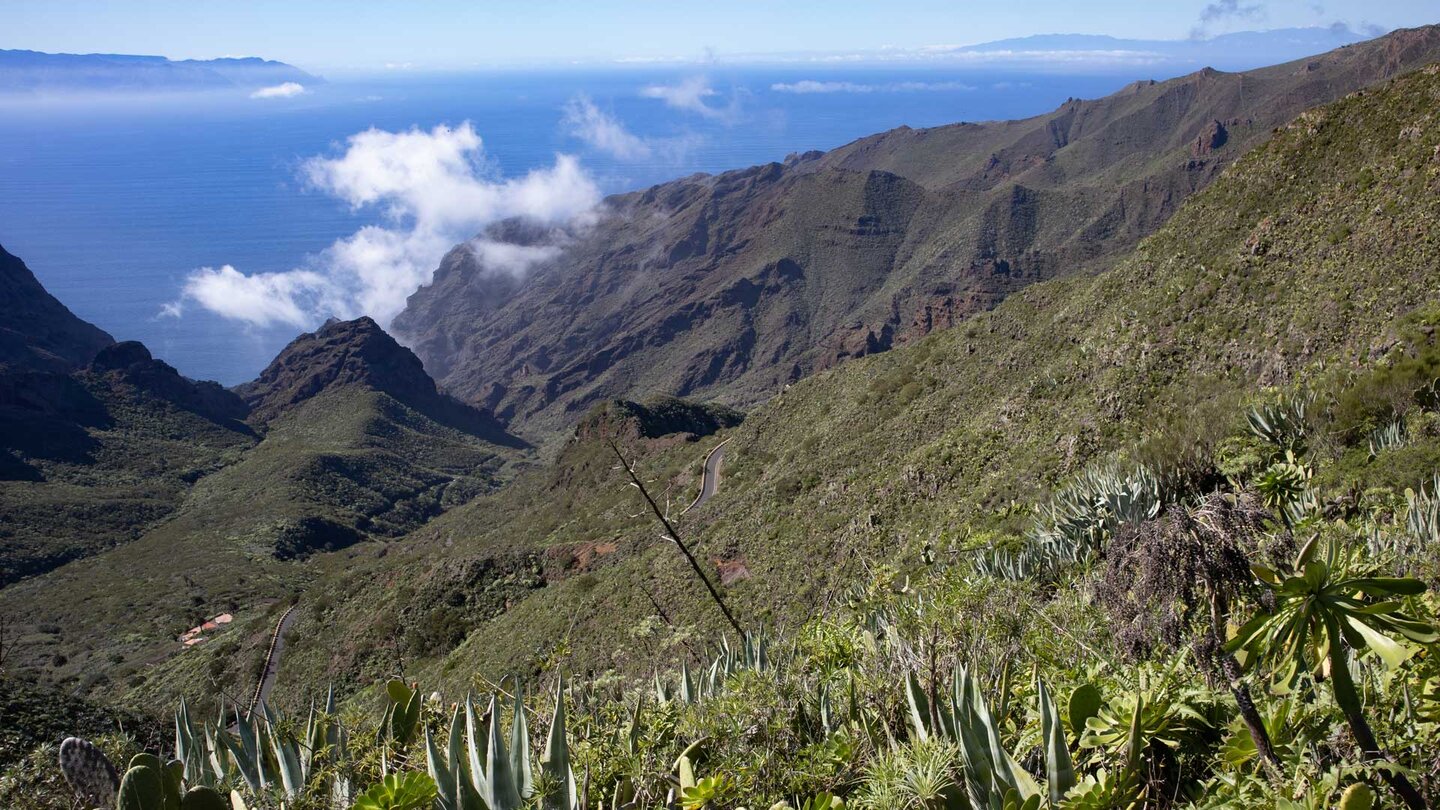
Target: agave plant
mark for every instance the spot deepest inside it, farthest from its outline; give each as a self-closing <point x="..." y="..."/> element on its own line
<point x="474" y="771"/>
<point x="992" y="778"/>
<point x="1283" y="424"/>
<point x="262" y="752"/>
<point x="1422" y="518"/>
<point x="1388" y="436"/>
<point x="1078" y="520"/>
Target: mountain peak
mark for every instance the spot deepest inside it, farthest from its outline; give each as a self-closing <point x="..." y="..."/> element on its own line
<point x="39" y="332"/>
<point x="339" y="353"/>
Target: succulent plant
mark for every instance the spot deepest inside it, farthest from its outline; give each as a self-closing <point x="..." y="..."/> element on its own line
<point x="1077" y="520"/>
<point x="1422" y="518"/>
<point x="402" y="715"/>
<point x="203" y="798"/>
<point x="1388" y="436"/>
<point x="1358" y="796"/>
<point x="474" y="769"/>
<point x="1283" y="424"/>
<point x="89" y="772"/>
<point x="143" y="788"/>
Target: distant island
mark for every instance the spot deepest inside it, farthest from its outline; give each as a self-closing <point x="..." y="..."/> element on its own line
<point x="34" y="72"/>
<point x="1238" y="50"/>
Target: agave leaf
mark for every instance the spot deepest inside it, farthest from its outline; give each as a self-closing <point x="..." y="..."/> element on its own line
<point x="455" y="745"/>
<point x="919" y="706"/>
<point x="687" y="689"/>
<point x="185" y="749"/>
<point x="1059" y="769"/>
<point x="520" y="748"/>
<point x="478" y="748"/>
<point x="556" y="760"/>
<point x="502" y="792"/>
<point x="440" y="771"/>
<point x="242" y="754"/>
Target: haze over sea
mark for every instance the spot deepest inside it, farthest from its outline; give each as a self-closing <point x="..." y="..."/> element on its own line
<point x="112" y="203"/>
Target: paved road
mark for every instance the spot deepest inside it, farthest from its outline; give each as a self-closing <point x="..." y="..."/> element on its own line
<point x="710" y="481"/>
<point x="272" y="663"/>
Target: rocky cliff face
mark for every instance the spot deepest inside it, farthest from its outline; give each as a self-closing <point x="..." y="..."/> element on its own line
<point x="731" y="286"/>
<point x="37" y="331"/>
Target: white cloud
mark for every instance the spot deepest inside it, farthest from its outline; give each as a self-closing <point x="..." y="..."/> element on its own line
<point x="603" y="131"/>
<point x="264" y="299"/>
<point x="433" y="193"/>
<point x="688" y="95"/>
<point x="286" y="90"/>
<point x="516" y="259"/>
<point x="812" y="86"/>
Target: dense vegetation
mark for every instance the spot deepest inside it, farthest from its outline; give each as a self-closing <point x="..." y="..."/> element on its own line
<point x="1242" y="624"/>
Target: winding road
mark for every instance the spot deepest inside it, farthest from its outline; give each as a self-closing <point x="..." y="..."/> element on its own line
<point x="272" y="659"/>
<point x="710" y="480"/>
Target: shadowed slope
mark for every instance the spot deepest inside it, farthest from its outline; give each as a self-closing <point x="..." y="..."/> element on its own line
<point x="37" y="331"/>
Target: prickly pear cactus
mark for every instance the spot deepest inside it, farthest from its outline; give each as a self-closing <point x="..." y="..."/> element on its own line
<point x="143" y="788"/>
<point x="203" y="798"/>
<point x="1358" y="796"/>
<point x="89" y="772"/>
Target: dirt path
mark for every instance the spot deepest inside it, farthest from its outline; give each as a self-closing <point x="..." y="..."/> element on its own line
<point x="710" y="480"/>
<point x="272" y="659"/>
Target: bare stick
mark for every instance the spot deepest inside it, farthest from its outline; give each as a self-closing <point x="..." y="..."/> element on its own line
<point x="674" y="537"/>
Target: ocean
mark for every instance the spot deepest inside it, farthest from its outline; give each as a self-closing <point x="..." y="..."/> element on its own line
<point x="112" y="203"/>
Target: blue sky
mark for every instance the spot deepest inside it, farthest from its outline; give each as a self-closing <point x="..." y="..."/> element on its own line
<point x="369" y="34"/>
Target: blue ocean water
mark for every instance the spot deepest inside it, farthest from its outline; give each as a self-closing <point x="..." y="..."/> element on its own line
<point x="112" y="203"/>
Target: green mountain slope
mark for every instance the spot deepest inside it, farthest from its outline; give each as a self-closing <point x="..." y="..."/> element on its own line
<point x="357" y="456"/>
<point x="1301" y="259"/>
<point x="92" y="458"/>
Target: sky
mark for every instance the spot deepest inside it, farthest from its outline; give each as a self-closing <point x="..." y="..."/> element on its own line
<point x="361" y="35"/>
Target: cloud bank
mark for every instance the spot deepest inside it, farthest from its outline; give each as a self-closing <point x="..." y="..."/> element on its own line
<point x="432" y="192"/>
<point x="286" y="90"/>
<point x="811" y="86"/>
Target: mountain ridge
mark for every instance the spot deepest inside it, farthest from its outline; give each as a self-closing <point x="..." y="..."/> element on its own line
<point x="730" y="286"/>
<point x="102" y="444"/>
